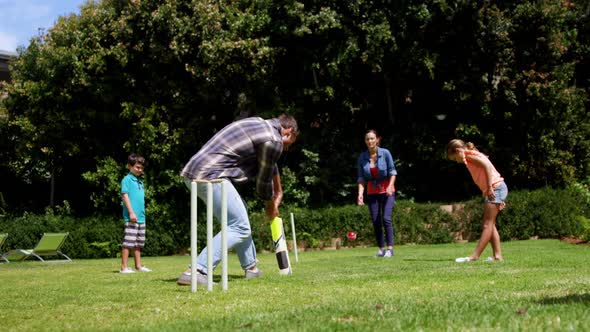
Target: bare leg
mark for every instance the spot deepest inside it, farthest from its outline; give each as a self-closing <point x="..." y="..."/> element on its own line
<point x="488" y="227"/>
<point x="124" y="258"/>
<point x="496" y="245"/>
<point x="137" y="257"/>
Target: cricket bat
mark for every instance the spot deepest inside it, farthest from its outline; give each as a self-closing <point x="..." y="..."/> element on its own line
<point x="278" y="239"/>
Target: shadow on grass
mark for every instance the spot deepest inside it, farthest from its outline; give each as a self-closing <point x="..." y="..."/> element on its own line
<point x="428" y="260"/>
<point x="568" y="299"/>
<point x="216" y="278"/>
<point x="343" y="258"/>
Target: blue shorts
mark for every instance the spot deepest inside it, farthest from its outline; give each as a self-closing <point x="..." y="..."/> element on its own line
<point x="501" y="192"/>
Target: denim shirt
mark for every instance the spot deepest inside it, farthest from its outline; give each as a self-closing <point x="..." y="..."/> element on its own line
<point x="384" y="165"/>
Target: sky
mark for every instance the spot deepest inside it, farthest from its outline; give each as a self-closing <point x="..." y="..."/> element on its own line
<point x="20" y="20"/>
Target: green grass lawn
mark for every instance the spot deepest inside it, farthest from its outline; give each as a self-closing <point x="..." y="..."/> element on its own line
<point x="543" y="285"/>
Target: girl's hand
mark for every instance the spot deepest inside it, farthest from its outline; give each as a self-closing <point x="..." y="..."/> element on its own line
<point x="132" y="217"/>
<point x="359" y="200"/>
<point x="490" y="194"/>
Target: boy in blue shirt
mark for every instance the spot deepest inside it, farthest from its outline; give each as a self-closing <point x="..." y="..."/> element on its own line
<point x="133" y="194"/>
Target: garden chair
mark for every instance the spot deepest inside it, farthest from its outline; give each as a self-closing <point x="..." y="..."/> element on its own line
<point x="49" y="245"/>
<point x="3" y="238"/>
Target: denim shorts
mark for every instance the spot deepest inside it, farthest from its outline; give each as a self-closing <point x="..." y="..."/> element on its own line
<point x="501" y="192"/>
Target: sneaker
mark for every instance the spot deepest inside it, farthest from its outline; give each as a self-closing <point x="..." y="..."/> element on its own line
<point x="127" y="271"/>
<point x="253" y="274"/>
<point x="144" y="269"/>
<point x="388" y="253"/>
<point x="462" y="259"/>
<point x="494" y="259"/>
<point x="185" y="279"/>
<point x="380" y="253"/>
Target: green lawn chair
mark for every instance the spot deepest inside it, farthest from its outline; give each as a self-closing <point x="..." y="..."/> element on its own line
<point x="49" y="245"/>
<point x="3" y="238"/>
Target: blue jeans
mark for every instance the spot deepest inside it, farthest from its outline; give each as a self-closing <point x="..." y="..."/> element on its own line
<point x="239" y="234"/>
<point x="380" y="208"/>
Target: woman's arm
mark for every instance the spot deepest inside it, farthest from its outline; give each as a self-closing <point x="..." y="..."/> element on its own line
<point x="360" y="180"/>
<point x="391" y="188"/>
<point x="359" y="199"/>
<point x="392" y="174"/>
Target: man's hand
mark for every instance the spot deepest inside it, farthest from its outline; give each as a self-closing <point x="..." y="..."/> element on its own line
<point x="272" y="206"/>
<point x="272" y="210"/>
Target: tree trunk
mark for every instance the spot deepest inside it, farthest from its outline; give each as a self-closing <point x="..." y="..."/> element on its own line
<point x="52" y="189"/>
<point x="389" y="99"/>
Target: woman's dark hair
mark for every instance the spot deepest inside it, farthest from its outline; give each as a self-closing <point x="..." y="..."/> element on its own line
<point x="373" y="131"/>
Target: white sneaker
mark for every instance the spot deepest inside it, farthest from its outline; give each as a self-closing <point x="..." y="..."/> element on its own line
<point x="144" y="269"/>
<point x="462" y="259"/>
<point x="388" y="253"/>
<point x="185" y="279"/>
<point x="127" y="271"/>
<point x="253" y="274"/>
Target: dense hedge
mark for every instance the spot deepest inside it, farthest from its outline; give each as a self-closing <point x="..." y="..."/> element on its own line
<point x="546" y="213"/>
<point x="92" y="237"/>
<point x="413" y="223"/>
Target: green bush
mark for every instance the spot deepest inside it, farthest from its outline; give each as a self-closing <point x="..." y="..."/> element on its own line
<point x="546" y="213"/>
<point x="423" y="223"/>
<point x="413" y="223"/>
<point x="90" y="237"/>
<point x="543" y="213"/>
<point x="469" y="218"/>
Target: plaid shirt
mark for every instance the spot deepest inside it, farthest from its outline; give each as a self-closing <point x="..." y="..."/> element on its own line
<point x="242" y="150"/>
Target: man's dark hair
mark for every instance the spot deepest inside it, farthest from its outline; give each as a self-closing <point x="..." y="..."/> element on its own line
<point x="135" y="158"/>
<point x="288" y="121"/>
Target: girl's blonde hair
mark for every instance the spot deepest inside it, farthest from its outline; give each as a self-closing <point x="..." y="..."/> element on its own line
<point x="457" y="143"/>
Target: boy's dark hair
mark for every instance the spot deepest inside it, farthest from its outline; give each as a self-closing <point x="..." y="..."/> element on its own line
<point x="135" y="158"/>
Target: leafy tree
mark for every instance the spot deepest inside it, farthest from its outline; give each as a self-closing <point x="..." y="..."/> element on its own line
<point x="159" y="78"/>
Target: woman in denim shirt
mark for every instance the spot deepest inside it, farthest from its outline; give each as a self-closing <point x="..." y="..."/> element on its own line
<point x="376" y="172"/>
